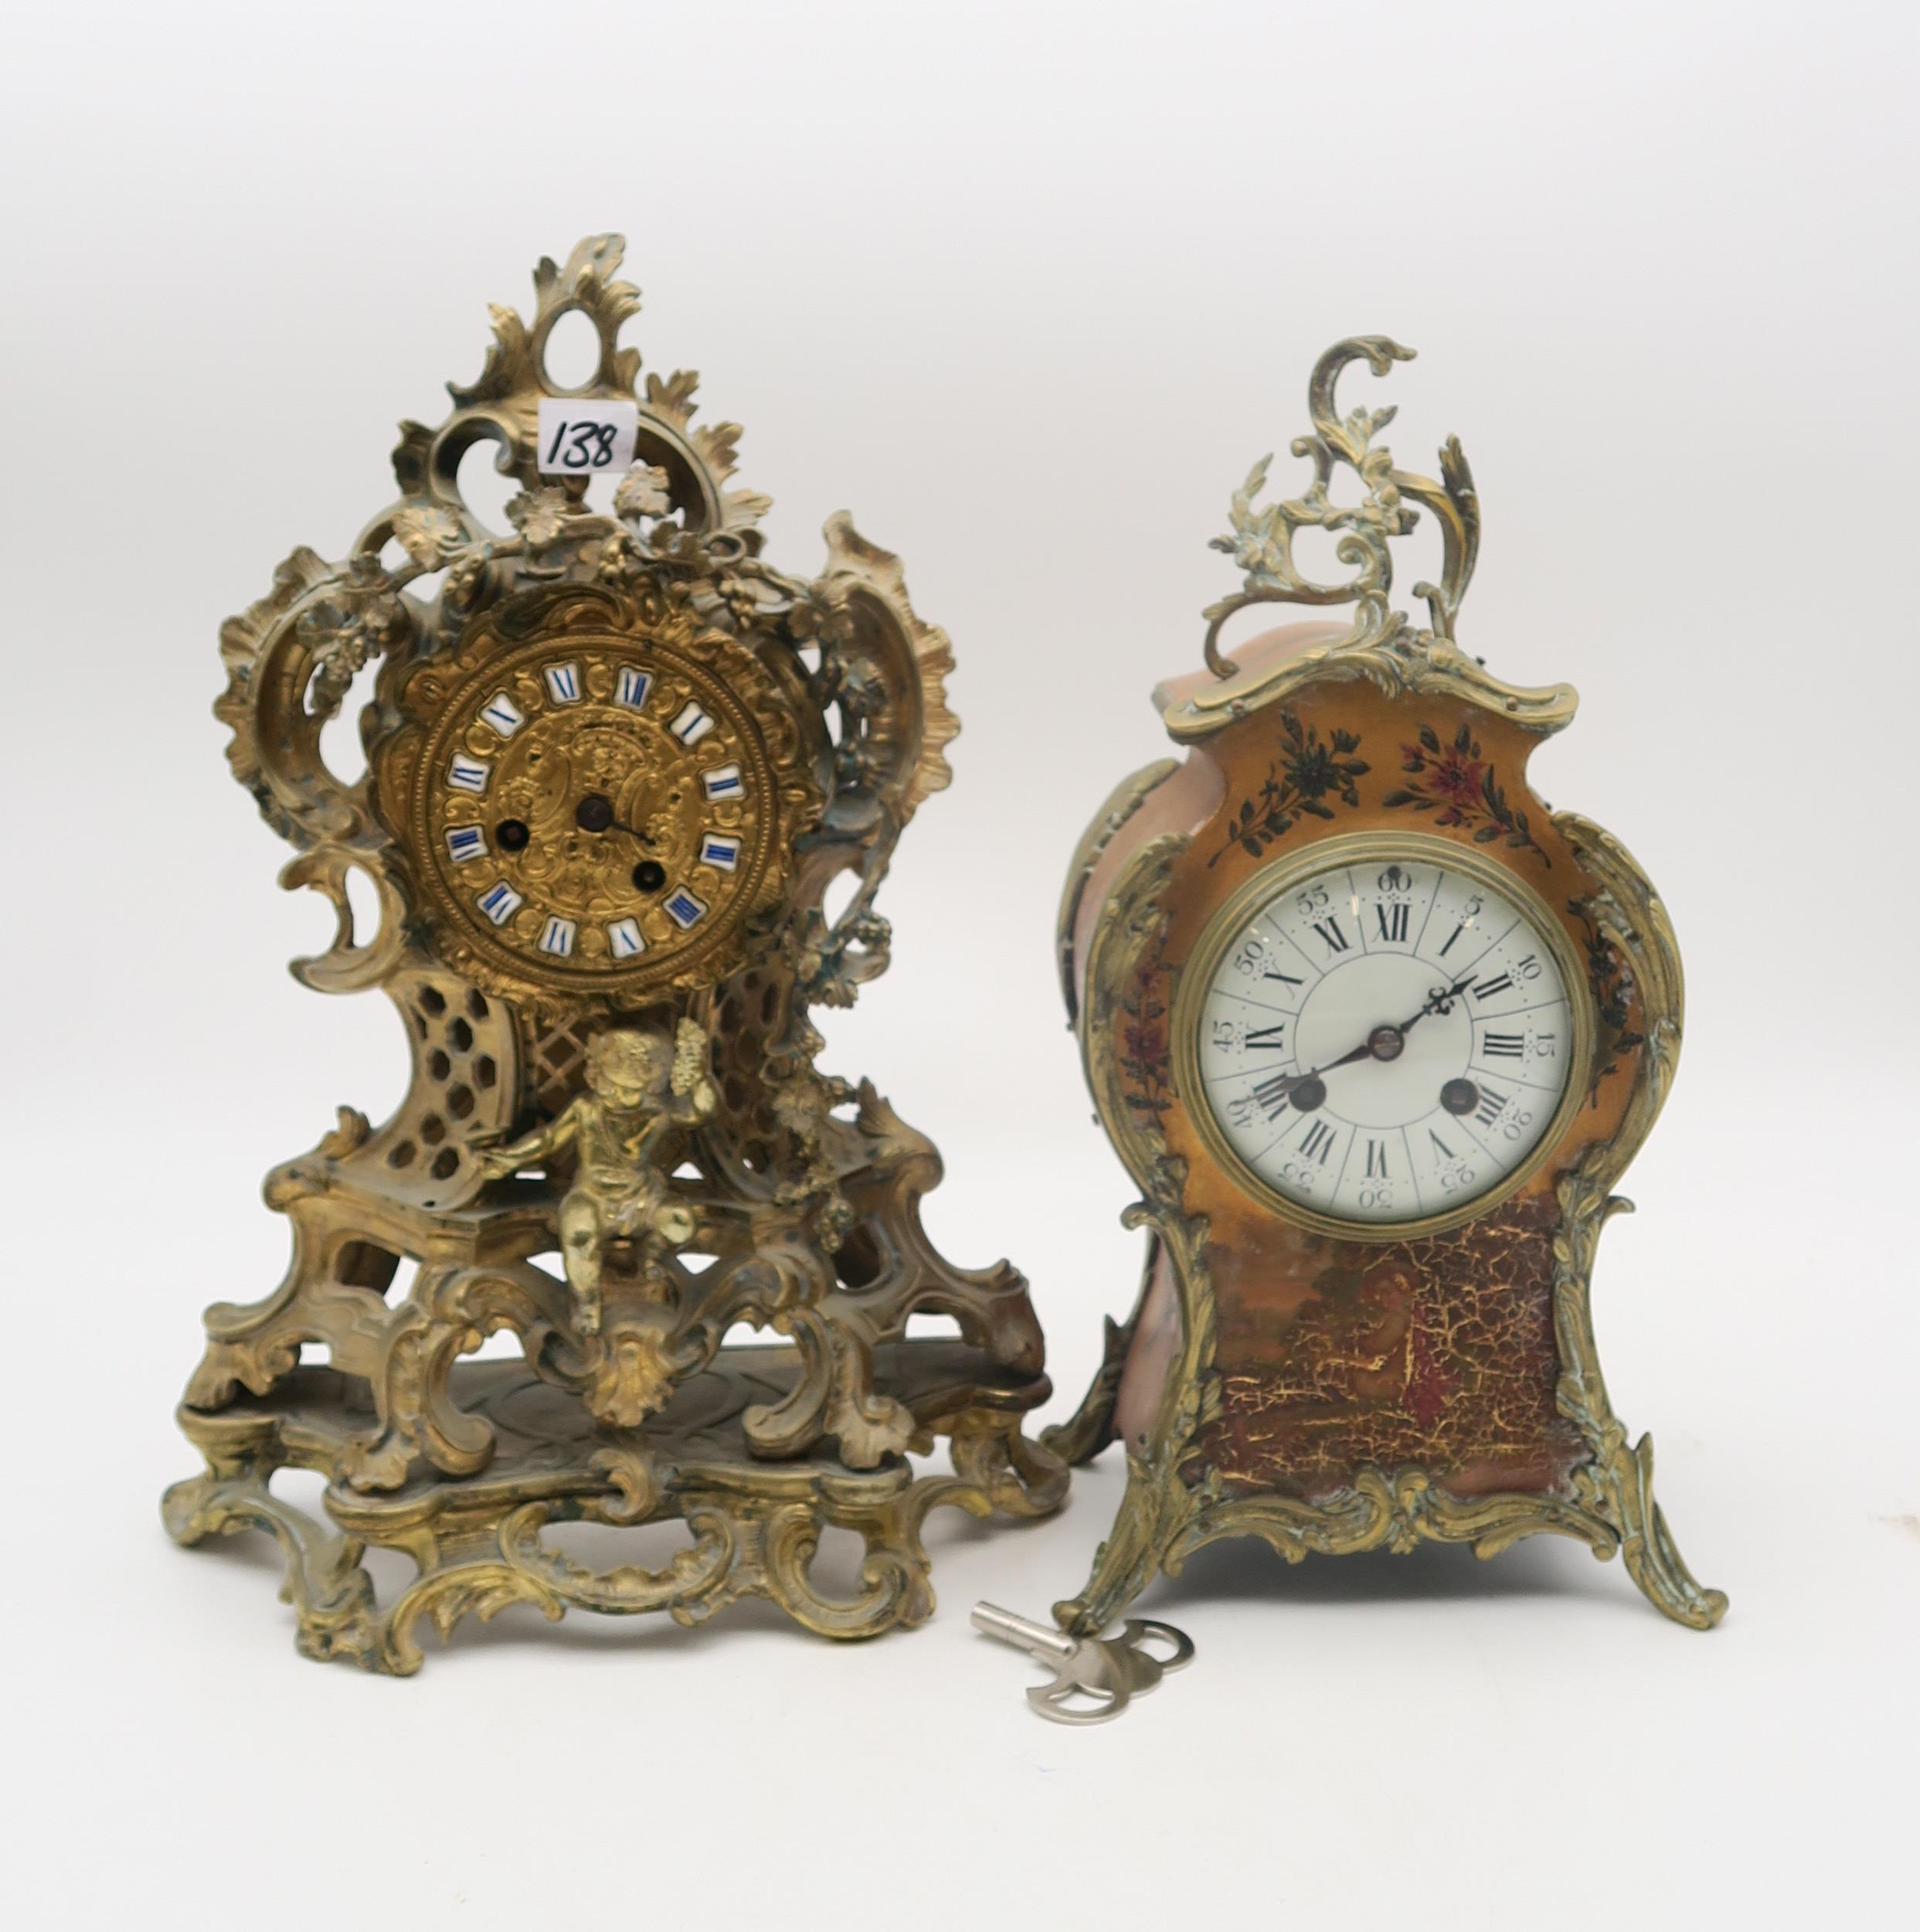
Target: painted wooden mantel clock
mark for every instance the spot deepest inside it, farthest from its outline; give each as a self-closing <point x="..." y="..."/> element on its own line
<point x="1375" y="1032"/>
<point x="615" y="761"/>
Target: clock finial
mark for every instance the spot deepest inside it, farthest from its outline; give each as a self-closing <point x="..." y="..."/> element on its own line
<point x="1261" y="540"/>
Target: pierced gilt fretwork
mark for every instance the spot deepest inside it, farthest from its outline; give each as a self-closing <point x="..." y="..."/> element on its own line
<point x="556" y="1058"/>
<point x="546" y="1176"/>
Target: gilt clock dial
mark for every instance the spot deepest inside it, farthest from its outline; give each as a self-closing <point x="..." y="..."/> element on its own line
<point x="1382" y="1033"/>
<point x="596" y="813"/>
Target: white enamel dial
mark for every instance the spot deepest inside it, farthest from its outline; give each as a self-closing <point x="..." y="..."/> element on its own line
<point x="1386" y="1041"/>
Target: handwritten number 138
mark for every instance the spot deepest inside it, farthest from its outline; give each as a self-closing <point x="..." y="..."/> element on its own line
<point x="582" y="446"/>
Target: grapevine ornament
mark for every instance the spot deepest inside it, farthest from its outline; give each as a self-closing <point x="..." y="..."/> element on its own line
<point x="615" y="761"/>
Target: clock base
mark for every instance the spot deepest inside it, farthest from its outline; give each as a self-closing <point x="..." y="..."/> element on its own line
<point x="1161" y="1390"/>
<point x="1171" y="1508"/>
<point x="754" y="1526"/>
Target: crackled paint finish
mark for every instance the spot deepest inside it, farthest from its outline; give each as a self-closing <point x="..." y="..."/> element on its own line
<point x="1334" y="1355"/>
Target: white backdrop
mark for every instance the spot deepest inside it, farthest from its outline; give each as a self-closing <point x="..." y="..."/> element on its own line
<point x="1027" y="288"/>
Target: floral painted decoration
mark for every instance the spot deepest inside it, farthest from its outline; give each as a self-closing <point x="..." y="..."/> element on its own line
<point x="1461" y="786"/>
<point x="1305" y="774"/>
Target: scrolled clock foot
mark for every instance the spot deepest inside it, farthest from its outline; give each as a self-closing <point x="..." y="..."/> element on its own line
<point x="1090" y="1428"/>
<point x="1133" y="1552"/>
<point x="1647" y="1547"/>
<point x="332" y="1595"/>
<point x="1019" y="1477"/>
<point x="605" y="799"/>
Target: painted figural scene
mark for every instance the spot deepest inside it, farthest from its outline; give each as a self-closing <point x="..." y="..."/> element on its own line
<point x="1374" y="1032"/>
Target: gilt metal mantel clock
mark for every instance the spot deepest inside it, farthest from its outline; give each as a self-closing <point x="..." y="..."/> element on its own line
<point x="1375" y="1032"/>
<point x="615" y="761"/>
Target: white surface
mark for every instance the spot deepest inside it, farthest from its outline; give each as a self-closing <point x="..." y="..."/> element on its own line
<point x="1381" y="1143"/>
<point x="1028" y="288"/>
<point x="578" y="434"/>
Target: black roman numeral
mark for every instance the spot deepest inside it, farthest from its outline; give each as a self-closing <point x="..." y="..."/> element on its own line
<point x="1376" y="1161"/>
<point x="1271" y="1094"/>
<point x="1393" y="921"/>
<point x="1491" y="1105"/>
<point x="1488" y="987"/>
<point x="1288" y="977"/>
<point x="1511" y="1045"/>
<point x="1329" y="929"/>
<point x="1445" y="1152"/>
<point x="1451" y="936"/>
<point x="1267" y="1039"/>
<point x="1318" y="1143"/>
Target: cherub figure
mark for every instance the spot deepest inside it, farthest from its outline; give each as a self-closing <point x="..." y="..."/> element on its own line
<point x="639" y="1089"/>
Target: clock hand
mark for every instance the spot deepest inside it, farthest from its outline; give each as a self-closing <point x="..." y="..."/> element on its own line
<point x="1292" y="1084"/>
<point x="1384" y="1043"/>
<point x="595" y="813"/>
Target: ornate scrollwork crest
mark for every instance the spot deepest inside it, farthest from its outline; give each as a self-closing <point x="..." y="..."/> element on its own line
<point x="1383" y="643"/>
<point x="425" y="577"/>
<point x="615" y="761"/>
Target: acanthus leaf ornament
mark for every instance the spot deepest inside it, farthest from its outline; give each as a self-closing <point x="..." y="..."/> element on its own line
<point x="1381" y="644"/>
<point x="1374" y="1169"/>
<point x="615" y="760"/>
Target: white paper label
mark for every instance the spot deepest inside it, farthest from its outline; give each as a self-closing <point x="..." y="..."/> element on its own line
<point x="581" y="435"/>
